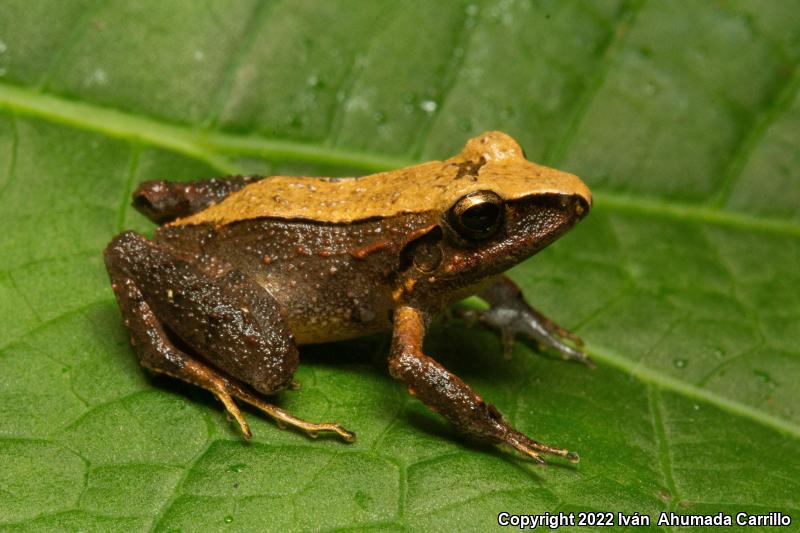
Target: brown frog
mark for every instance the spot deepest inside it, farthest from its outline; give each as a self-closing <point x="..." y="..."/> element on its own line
<point x="242" y="270"/>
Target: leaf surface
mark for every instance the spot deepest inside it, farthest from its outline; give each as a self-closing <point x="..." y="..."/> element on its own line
<point x="683" y="118"/>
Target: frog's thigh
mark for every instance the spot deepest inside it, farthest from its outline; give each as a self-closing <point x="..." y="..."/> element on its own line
<point x="229" y="320"/>
<point x="157" y="353"/>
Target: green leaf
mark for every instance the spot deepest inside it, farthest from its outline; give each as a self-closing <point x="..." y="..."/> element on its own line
<point x="684" y="119"/>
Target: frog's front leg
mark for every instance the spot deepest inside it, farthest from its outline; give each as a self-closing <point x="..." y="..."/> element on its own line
<point x="163" y="201"/>
<point x="227" y="320"/>
<point x="512" y="316"/>
<point x="445" y="393"/>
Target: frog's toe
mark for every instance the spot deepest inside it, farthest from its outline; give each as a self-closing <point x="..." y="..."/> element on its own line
<point x="566" y="334"/>
<point x="568" y="353"/>
<point x="532" y="448"/>
<point x="547" y="334"/>
<point x="283" y="418"/>
<point x="233" y="409"/>
<point x="347" y="436"/>
<point x="513" y="323"/>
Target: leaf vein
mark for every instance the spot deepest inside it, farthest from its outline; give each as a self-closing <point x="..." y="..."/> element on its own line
<point x="12" y="163"/>
<point x="79" y="29"/>
<point x="619" y="34"/>
<point x="662" y="444"/>
<point x="159" y="516"/>
<point x="647" y="375"/>
<point x="247" y="41"/>
<point x="49" y="322"/>
<point x="125" y="202"/>
<point x="744" y="149"/>
<point x="349" y="80"/>
<point x="456" y="63"/>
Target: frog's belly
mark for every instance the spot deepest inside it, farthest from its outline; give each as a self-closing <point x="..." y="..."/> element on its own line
<point x="319" y="313"/>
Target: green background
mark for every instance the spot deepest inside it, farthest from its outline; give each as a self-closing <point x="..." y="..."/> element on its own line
<point x="683" y="118"/>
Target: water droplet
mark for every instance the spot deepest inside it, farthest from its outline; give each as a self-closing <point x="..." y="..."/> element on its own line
<point x="696" y="407"/>
<point x="719" y="353"/>
<point x="379" y="117"/>
<point x="98" y="77"/>
<point x="199" y="55"/>
<point x="472" y="10"/>
<point x="313" y="81"/>
<point x="429" y="106"/>
<point x="362" y="499"/>
<point x="3" y="47"/>
<point x="680" y="363"/>
<point x="765" y="378"/>
<point x="238" y="467"/>
<point x="650" y="88"/>
<point x="228" y="519"/>
<point x="295" y="120"/>
<point x="465" y="124"/>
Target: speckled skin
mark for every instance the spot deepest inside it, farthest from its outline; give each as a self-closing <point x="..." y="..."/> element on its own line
<point x="226" y="305"/>
<point x="334" y="282"/>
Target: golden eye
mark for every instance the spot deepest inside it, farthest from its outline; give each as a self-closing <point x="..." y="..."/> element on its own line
<point x="477" y="215"/>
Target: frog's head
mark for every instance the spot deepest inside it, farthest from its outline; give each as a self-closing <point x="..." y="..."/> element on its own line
<point x="498" y="210"/>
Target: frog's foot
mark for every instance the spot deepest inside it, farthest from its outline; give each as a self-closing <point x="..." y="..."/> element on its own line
<point x="534" y="449"/>
<point x="528" y="324"/>
<point x="226" y="389"/>
<point x="513" y="317"/>
<point x="283" y="419"/>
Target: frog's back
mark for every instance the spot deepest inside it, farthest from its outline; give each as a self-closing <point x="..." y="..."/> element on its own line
<point x="492" y="161"/>
<point x="322" y="200"/>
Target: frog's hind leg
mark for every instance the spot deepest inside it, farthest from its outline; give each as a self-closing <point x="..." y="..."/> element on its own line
<point x="512" y="316"/>
<point x="160" y="342"/>
<point x="163" y="201"/>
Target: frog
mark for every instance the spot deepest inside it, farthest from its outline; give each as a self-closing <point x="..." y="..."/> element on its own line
<point x="243" y="270"/>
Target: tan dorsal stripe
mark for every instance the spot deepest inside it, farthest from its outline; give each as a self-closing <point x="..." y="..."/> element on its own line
<point x="492" y="161"/>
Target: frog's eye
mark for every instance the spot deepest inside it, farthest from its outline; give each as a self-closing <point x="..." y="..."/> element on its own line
<point x="477" y="215"/>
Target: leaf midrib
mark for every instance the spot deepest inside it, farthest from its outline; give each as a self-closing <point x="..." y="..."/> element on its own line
<point x="208" y="146"/>
<point x="646" y="374"/>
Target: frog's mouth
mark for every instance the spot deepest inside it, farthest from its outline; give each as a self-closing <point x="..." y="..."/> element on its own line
<point x="530" y="225"/>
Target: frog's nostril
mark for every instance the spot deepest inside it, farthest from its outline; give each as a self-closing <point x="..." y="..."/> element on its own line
<point x="142" y="202"/>
<point x="581" y="206"/>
